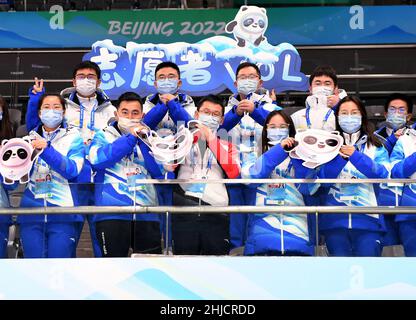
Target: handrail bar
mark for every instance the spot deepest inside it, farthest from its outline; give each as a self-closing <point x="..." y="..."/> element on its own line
<point x="208" y="209"/>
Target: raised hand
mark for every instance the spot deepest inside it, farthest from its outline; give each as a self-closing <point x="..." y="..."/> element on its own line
<point x="38" y="86"/>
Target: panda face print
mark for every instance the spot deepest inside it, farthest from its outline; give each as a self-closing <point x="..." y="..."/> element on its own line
<point x="254" y="23"/>
<point x="319" y="144"/>
<point x="15" y="156"/>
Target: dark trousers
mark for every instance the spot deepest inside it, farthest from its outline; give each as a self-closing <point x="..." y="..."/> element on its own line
<point x="116" y="237"/>
<point x="199" y="234"/>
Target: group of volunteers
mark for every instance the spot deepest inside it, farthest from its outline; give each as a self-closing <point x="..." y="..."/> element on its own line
<point x="93" y="155"/>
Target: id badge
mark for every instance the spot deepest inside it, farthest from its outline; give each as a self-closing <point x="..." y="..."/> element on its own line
<point x="195" y="189"/>
<point x="87" y="136"/>
<point x="276" y="194"/>
<point x="43" y="186"/>
<point x="349" y="192"/>
<point x="133" y="177"/>
<point x="246" y="132"/>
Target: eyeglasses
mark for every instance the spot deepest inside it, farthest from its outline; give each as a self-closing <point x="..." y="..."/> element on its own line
<point x="207" y="112"/>
<point x="170" y="77"/>
<point x="250" y="77"/>
<point x="279" y="126"/>
<point x="86" y="76"/>
<point x="399" y="110"/>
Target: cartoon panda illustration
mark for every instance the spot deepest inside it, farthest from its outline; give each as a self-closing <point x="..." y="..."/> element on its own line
<point x="316" y="147"/>
<point x="16" y="158"/>
<point x="249" y="25"/>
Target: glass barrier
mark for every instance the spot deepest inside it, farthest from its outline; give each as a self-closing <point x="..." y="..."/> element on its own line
<point x="252" y="217"/>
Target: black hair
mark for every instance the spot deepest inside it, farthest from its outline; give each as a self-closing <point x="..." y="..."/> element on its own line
<point x="245" y="65"/>
<point x="129" y="96"/>
<point x="288" y="120"/>
<point x="87" y="65"/>
<point x="399" y="96"/>
<point x="6" y="130"/>
<point x="366" y="128"/>
<point x="211" y="98"/>
<point x="61" y="99"/>
<point x="168" y="64"/>
<point x="324" y="70"/>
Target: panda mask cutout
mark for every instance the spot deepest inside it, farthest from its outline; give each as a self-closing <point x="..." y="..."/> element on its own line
<point x="249" y="25"/>
<point x="16" y="159"/>
<point x="316" y="147"/>
<point x="171" y="149"/>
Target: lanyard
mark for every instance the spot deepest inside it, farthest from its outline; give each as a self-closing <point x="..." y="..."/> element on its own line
<point x="308" y="119"/>
<point x="92" y="116"/>
<point x="286" y="171"/>
<point x="209" y="163"/>
<point x="50" y="137"/>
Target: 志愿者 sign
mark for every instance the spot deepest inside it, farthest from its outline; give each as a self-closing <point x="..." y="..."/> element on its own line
<point x="207" y="66"/>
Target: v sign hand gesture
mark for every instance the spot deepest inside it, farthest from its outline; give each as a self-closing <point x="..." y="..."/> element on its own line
<point x="38" y="86"/>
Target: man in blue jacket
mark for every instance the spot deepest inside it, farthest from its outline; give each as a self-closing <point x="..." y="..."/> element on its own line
<point x="121" y="160"/>
<point x="398" y="112"/>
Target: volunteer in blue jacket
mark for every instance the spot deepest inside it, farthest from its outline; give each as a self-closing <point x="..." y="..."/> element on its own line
<point x="269" y="233"/>
<point x="403" y="159"/>
<point x="362" y="156"/>
<point x="398" y="112"/>
<point x="121" y="160"/>
<point x="89" y="109"/>
<point x="168" y="85"/>
<point x="62" y="159"/>
<point x="244" y="118"/>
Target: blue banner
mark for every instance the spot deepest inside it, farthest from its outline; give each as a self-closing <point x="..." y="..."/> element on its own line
<point x="296" y="25"/>
<point x="206" y="67"/>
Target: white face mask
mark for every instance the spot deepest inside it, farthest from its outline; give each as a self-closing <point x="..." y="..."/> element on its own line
<point x="125" y="124"/>
<point x="210" y="121"/>
<point x="247" y="86"/>
<point x="86" y="87"/>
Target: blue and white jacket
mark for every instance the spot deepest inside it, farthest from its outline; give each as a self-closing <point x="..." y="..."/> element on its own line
<point x="245" y="131"/>
<point x="403" y="160"/>
<point x="367" y="161"/>
<point x="113" y="156"/>
<point x="156" y="116"/>
<point x="89" y="115"/>
<point x="390" y="194"/>
<point x="277" y="232"/>
<point x="386" y="135"/>
<point x="63" y="160"/>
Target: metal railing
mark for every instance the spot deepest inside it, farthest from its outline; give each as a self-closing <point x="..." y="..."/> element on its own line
<point x="230" y="209"/>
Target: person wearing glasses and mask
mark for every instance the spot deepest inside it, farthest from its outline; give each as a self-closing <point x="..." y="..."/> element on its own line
<point x="62" y="159"/>
<point x="274" y="233"/>
<point x="244" y="118"/>
<point x="362" y="156"/>
<point x="210" y="158"/>
<point x="398" y="112"/>
<point x="167" y="83"/>
<point x="89" y="109"/>
<point x="402" y="160"/>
